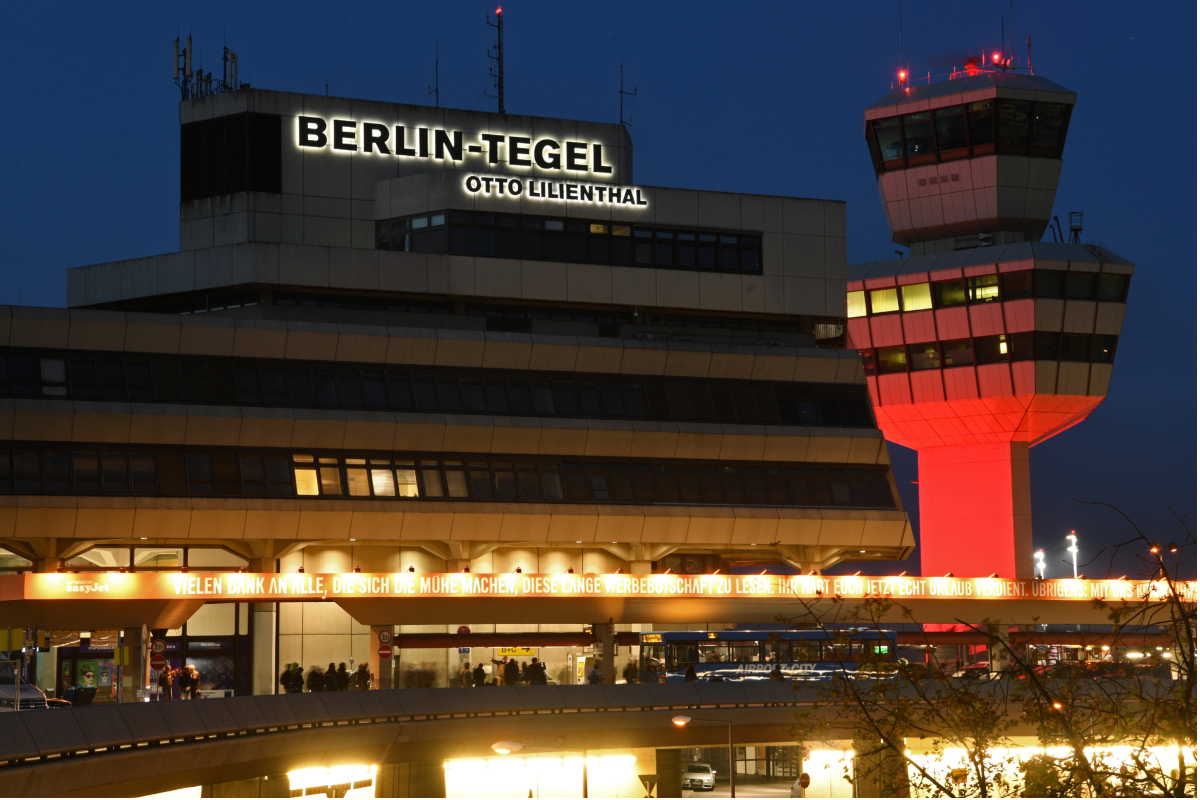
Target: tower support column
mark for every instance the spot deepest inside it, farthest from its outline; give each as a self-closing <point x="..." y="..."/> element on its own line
<point x="975" y="510"/>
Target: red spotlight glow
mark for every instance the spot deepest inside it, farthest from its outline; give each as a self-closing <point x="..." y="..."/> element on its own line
<point x="499" y="10"/>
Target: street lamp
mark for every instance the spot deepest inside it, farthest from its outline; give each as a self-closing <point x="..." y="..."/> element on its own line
<point x="1039" y="562"/>
<point x="682" y="720"/>
<point x="505" y="748"/>
<point x="1073" y="550"/>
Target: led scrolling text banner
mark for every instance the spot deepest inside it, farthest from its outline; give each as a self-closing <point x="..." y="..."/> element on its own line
<point x="313" y="586"/>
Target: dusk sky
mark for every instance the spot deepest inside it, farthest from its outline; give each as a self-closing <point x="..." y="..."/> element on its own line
<point x="755" y="98"/>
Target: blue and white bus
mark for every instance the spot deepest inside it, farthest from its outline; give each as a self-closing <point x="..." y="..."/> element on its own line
<point x="753" y="655"/>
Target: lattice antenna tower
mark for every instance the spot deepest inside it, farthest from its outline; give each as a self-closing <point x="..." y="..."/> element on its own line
<point x="626" y="104"/>
<point x="497" y="56"/>
<point x="435" y="90"/>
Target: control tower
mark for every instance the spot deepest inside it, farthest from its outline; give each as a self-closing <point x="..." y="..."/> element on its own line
<point x="985" y="341"/>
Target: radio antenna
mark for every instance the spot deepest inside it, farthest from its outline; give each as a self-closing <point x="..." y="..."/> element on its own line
<point x="901" y="4"/>
<point x="624" y="94"/>
<point x="497" y="72"/>
<point x="435" y="91"/>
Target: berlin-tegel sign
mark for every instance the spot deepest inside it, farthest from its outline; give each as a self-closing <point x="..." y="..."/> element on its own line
<point x="336" y="586"/>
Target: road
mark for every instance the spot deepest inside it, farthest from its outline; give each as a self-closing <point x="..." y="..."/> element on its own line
<point x="774" y="789"/>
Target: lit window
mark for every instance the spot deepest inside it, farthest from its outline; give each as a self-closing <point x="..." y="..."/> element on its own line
<point x="306" y="482"/>
<point x="595" y="228"/>
<point x="884" y="301"/>
<point x="984" y="288"/>
<point x="620" y="230"/>
<point x="356" y="479"/>
<point x="856" y="304"/>
<point x="384" y="483"/>
<point x="891" y="359"/>
<point x="406" y="482"/>
<point x="331" y="480"/>
<point x="916" y="297"/>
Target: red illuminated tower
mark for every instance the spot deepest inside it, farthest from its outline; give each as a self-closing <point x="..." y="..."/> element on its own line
<point x="985" y="341"/>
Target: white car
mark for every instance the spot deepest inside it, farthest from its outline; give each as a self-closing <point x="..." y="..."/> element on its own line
<point x="699" y="776"/>
<point x="31" y="696"/>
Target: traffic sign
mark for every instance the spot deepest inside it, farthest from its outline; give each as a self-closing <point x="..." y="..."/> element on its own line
<point x="385" y="637"/>
<point x="158" y="646"/>
<point x="463" y="629"/>
<point x="385" y="651"/>
<point x="804" y="780"/>
<point x="158" y="662"/>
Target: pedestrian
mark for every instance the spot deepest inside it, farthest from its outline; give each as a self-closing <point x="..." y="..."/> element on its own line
<point x="537" y="673"/>
<point x="689" y="675"/>
<point x="331" y="678"/>
<point x="362" y="677"/>
<point x="479" y="676"/>
<point x="501" y="673"/>
<point x="165" y="681"/>
<point x="465" y="678"/>
<point x="525" y="672"/>
<point x="343" y="678"/>
<point x="512" y="672"/>
<point x="777" y="673"/>
<point x="316" y="681"/>
<point x="188" y="683"/>
<point x="595" y="676"/>
<point x="630" y="673"/>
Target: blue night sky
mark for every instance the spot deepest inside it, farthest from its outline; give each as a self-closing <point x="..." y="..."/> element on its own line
<point x="760" y="98"/>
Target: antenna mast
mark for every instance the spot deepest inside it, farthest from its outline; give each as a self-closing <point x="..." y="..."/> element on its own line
<point x="901" y="3"/>
<point x="198" y="83"/>
<point x="624" y="94"/>
<point x="436" y="90"/>
<point x="497" y="72"/>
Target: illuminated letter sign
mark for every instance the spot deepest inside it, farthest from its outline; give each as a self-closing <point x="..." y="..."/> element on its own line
<point x="506" y="151"/>
<point x="555" y="190"/>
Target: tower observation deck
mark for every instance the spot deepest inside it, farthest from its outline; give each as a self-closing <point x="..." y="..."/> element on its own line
<point x="985" y="341"/>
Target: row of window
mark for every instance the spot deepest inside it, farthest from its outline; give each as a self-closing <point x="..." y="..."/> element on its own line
<point x="567" y="240"/>
<point x="1015" y="127"/>
<point x="1040" y="346"/>
<point x="678" y="655"/>
<point x="118" y="376"/>
<point x="1037" y="283"/>
<point x="98" y="469"/>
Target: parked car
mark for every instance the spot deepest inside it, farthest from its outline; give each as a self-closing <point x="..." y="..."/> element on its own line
<point x="699" y="776"/>
<point x="31" y="696"/>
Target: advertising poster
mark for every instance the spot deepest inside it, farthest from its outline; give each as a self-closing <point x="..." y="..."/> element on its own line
<point x="85" y="673"/>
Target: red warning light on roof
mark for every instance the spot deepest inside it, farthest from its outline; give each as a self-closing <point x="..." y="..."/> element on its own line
<point x="499" y="10"/>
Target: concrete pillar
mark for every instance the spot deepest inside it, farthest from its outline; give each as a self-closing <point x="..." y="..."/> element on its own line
<point x="381" y="668"/>
<point x="265" y="678"/>
<point x="669" y="766"/>
<point x="640" y="567"/>
<point x="998" y="655"/>
<point x="47" y="564"/>
<point x="982" y="488"/>
<point x="426" y="779"/>
<point x="883" y="773"/>
<point x="606" y="658"/>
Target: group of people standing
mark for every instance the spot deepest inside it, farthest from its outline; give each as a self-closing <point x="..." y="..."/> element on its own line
<point x="508" y="673"/>
<point x="294" y="681"/>
<point x="186" y="677"/>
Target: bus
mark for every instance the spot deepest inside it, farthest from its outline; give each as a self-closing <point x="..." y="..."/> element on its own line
<point x="753" y="655"/>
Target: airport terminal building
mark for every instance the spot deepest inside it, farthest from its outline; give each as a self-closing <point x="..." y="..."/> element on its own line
<point x="399" y="338"/>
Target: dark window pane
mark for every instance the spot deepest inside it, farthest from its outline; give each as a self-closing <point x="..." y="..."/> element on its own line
<point x="827" y="407"/>
<point x="145" y="476"/>
<point x="519" y="244"/>
<point x="543" y="397"/>
<point x="1012" y="129"/>
<point x="1112" y="290"/>
<point x="87" y="471"/>
<point x="399" y="391"/>
<point x="949" y="293"/>
<point x="619" y="251"/>
<point x="979" y="123"/>
<point x="115" y="469"/>
<point x="1046" y="346"/>
<point x="1074" y="347"/>
<point x="27" y="469"/>
<point x="854" y="410"/>
<point x="351" y="389"/>
<point x="447" y="388"/>
<point x="472" y="242"/>
<point x="1048" y="283"/>
<point x="991" y="349"/>
<point x="599" y="249"/>
<point x="708" y="257"/>
<point x="729" y="259"/>
<point x="424" y="392"/>
<point x="645" y="253"/>
<point x="552" y="484"/>
<point x="374" y="390"/>
<point x="254" y="479"/>
<point x="756" y="488"/>
<point x="472" y="394"/>
<point x="83" y="377"/>
<point x="687" y="255"/>
<point x="199" y="473"/>
<point x="860" y="489"/>
<point x="883" y="493"/>
<point x="506" y="481"/>
<point x="984" y="288"/>
<point x="324" y="388"/>
<point x="751" y="261"/>
<point x="279" y="474"/>
<point x="497" y="395"/>
<point x="620" y="484"/>
<point x="25" y="377"/>
<point x="518" y="394"/>
<point x="578" y="486"/>
<point x="887" y="139"/>
<point x="246" y="378"/>
<point x="610" y="398"/>
<point x="957" y="354"/>
<point x="840" y="487"/>
<point x="923" y="356"/>
<point x="731" y="485"/>
<point x="274" y="390"/>
<point x="664" y="254"/>
<point x="1017" y="285"/>
<point x="1020" y="346"/>
<point x="666" y="488"/>
<point x="565" y="398"/>
<point x="1104" y="348"/>
<point x="1081" y="286"/>
<point x="951" y="128"/>
<point x="225" y="474"/>
<point x="891" y="359"/>
<point x="137" y="375"/>
<point x="481" y="481"/>
<point x="530" y="490"/>
<point x="589" y="399"/>
<point x="299" y="387"/>
<point x="110" y="378"/>
<point x="634" y="398"/>
<point x="56" y="470"/>
<point x="918" y="134"/>
<point x="806" y="406"/>
<point x="1048" y="121"/>
<point x="598" y="482"/>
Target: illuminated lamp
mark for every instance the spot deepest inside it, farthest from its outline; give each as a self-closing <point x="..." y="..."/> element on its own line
<point x="517" y="570"/>
<point x="121" y="570"/>
<point x="466" y="569"/>
<point x="764" y="572"/>
<point x="1057" y="705"/>
<point x="862" y="551"/>
<point x="1135" y="656"/>
<point x="1104" y="647"/>
<point x="948" y="575"/>
<point x="499" y="10"/>
<point x="620" y="571"/>
<point x="812" y="572"/>
<point x="903" y="574"/>
<point x="1121" y="578"/>
<point x="994" y="575"/>
<point x="241" y="569"/>
<point x="570" y="570"/>
<point x="185" y="569"/>
<point x="855" y="575"/>
<point x="1174" y="548"/>
<point x="412" y="568"/>
<point x="358" y="569"/>
<point x="301" y="570"/>
<point x="1082" y="577"/>
<point x="1155" y="548"/>
<point x="505" y="748"/>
